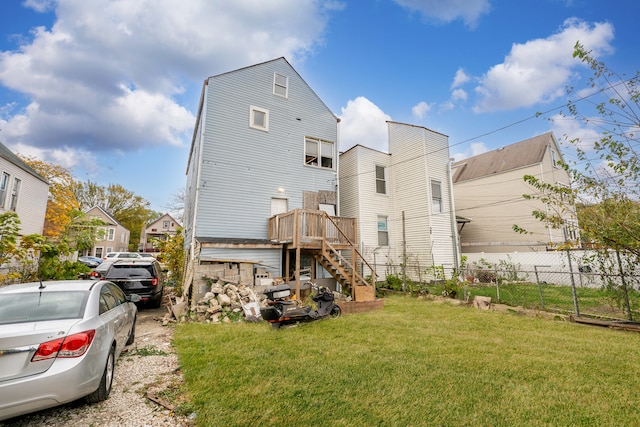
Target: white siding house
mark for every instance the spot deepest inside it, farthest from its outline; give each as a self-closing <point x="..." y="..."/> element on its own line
<point x="403" y="200"/>
<point x="23" y="191"/>
<point x="115" y="235"/>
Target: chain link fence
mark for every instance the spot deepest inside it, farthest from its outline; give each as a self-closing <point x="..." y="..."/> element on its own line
<point x="603" y="285"/>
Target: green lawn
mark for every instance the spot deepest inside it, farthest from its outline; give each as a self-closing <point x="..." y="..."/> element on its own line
<point x="414" y="363"/>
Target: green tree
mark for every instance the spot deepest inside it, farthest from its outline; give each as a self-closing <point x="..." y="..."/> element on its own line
<point x="605" y="174"/>
<point x="172" y="256"/>
<point x="131" y="210"/>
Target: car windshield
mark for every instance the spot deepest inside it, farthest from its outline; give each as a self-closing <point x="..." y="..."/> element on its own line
<point x="40" y="306"/>
<point x="129" y="272"/>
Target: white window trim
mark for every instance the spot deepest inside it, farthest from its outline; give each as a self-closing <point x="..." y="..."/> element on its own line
<point x="111" y="233"/>
<point x="319" y="145"/>
<point x="252" y="124"/>
<point x="286" y="85"/>
<point x="384" y="179"/>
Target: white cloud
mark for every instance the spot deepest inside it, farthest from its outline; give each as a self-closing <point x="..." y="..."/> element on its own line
<point x="459" y="95"/>
<point x="108" y="74"/>
<point x="460" y="78"/>
<point x="421" y="109"/>
<point x="473" y="149"/>
<point x="363" y="122"/>
<point x="538" y="70"/>
<point x="450" y="10"/>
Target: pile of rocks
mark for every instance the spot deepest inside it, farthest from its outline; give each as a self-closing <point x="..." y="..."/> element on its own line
<point x="225" y="302"/>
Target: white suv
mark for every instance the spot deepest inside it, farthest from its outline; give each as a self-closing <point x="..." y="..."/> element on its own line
<point x="112" y="257"/>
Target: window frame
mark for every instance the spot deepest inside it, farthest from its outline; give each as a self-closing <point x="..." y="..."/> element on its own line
<point x="276" y="84"/>
<point x="111" y="233"/>
<point x="384" y="231"/>
<point x="252" y="123"/>
<point x="319" y="153"/>
<point x="436" y="199"/>
<point x="15" y="192"/>
<point x="381" y="181"/>
<point x="4" y="186"/>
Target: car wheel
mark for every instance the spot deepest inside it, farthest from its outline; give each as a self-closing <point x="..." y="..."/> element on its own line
<point x="107" y="380"/>
<point x="132" y="334"/>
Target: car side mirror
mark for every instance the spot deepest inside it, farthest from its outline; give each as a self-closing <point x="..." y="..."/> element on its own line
<point x="134" y="298"/>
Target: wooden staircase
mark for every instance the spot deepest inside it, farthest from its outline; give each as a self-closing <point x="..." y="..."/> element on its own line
<point x="330" y="240"/>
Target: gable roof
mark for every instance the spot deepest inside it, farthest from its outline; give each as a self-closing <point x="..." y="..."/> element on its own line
<point x="524" y="153"/>
<point x="107" y="214"/>
<point x="206" y="83"/>
<point x="9" y="156"/>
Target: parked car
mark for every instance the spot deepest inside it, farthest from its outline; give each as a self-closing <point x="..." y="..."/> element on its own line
<point x="143" y="277"/>
<point x="59" y="342"/>
<point x="146" y="255"/>
<point x="90" y="261"/>
<point x="111" y="257"/>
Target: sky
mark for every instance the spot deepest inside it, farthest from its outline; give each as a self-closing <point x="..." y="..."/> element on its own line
<point x="110" y="88"/>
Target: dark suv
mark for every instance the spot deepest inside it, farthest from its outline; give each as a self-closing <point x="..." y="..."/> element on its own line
<point x="143" y="277"/>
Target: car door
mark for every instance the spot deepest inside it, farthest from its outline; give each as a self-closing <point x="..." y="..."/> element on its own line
<point x="114" y="314"/>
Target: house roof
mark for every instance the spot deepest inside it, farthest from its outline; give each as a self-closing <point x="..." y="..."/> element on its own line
<point x="524" y="153"/>
<point x="206" y="82"/>
<point x="9" y="156"/>
<point x="107" y="214"/>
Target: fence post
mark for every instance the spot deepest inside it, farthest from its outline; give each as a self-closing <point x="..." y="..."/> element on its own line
<point x="573" y="280"/>
<point x="624" y="286"/>
<point x="535" y="268"/>
<point x="497" y="285"/>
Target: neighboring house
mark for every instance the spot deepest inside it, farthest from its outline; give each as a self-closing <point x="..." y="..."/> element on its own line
<point x="160" y="229"/>
<point x="403" y="201"/>
<point x="489" y="188"/>
<point x="261" y="177"/>
<point x="23" y="191"/>
<point x="116" y="237"/>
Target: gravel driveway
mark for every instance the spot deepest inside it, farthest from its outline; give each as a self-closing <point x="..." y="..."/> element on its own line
<point x="144" y="370"/>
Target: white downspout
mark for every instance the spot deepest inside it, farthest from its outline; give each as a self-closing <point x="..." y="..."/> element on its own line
<point x="454" y="223"/>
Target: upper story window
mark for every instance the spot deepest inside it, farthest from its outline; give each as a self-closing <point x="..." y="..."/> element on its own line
<point x="165" y="224"/>
<point x="381" y="181"/>
<point x="14" y="194"/>
<point x="280" y="85"/>
<point x="4" y="185"/>
<point x="259" y="118"/>
<point x="554" y="159"/>
<point x="111" y="234"/>
<point x="436" y="196"/>
<point x="318" y="152"/>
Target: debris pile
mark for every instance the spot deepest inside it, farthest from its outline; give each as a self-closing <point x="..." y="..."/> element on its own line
<point x="225" y="302"/>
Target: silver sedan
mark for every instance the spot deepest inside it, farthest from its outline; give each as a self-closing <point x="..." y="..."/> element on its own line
<point x="59" y="342"/>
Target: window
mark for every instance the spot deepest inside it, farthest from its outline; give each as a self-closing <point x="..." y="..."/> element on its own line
<point x="259" y="118"/>
<point x="98" y="252"/>
<point x="383" y="231"/>
<point x="280" y="85"/>
<point x="165" y="225"/>
<point x="436" y="197"/>
<point x="111" y="233"/>
<point x="381" y="182"/>
<point x="14" y="194"/>
<point x="318" y="152"/>
<point x="4" y="184"/>
<point x="554" y="159"/>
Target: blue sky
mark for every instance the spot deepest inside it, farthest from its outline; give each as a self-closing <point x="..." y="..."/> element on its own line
<point x="110" y="89"/>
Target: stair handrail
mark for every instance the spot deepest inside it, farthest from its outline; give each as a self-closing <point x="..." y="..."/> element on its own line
<point x="355" y="248"/>
<point x="348" y="264"/>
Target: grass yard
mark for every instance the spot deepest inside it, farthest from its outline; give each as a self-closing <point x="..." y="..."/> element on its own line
<point x="415" y="363"/>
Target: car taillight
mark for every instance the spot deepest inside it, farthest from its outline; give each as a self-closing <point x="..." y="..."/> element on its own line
<point x="72" y="346"/>
<point x="154" y="281"/>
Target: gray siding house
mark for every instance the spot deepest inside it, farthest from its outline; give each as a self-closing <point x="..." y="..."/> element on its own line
<point x="115" y="235"/>
<point x="261" y="176"/>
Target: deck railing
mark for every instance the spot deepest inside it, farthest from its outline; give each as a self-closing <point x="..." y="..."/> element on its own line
<point x="304" y="227"/>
